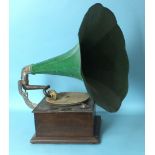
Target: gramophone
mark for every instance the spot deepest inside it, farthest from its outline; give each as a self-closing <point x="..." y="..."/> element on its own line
<point x="100" y="60"/>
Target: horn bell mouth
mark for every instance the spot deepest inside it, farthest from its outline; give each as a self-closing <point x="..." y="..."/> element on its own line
<point x="104" y="61"/>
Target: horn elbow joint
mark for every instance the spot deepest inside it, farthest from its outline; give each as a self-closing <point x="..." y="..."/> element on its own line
<point x="25" y="71"/>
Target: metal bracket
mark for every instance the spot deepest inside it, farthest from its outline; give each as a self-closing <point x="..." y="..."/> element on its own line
<point x="23" y="84"/>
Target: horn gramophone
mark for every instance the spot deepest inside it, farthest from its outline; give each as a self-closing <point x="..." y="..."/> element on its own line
<point x="100" y="60"/>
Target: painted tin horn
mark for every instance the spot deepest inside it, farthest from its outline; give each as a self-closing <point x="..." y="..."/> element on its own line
<point x="99" y="59"/>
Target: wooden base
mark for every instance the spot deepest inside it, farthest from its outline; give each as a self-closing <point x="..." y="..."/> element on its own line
<point x="92" y="140"/>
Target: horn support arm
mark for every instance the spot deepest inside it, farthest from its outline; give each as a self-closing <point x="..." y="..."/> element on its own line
<point x="23" y="84"/>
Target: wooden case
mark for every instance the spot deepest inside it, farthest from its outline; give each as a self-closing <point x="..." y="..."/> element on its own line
<point x="68" y="124"/>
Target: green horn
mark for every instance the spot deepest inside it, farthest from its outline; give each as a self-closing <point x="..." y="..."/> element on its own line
<point x="67" y="64"/>
<point x="100" y="60"/>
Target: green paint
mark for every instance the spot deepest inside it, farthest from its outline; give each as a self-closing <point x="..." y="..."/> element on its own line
<point x="68" y="64"/>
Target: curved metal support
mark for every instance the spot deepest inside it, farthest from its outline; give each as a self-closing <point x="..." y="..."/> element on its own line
<point x="23" y="84"/>
<point x="25" y="96"/>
